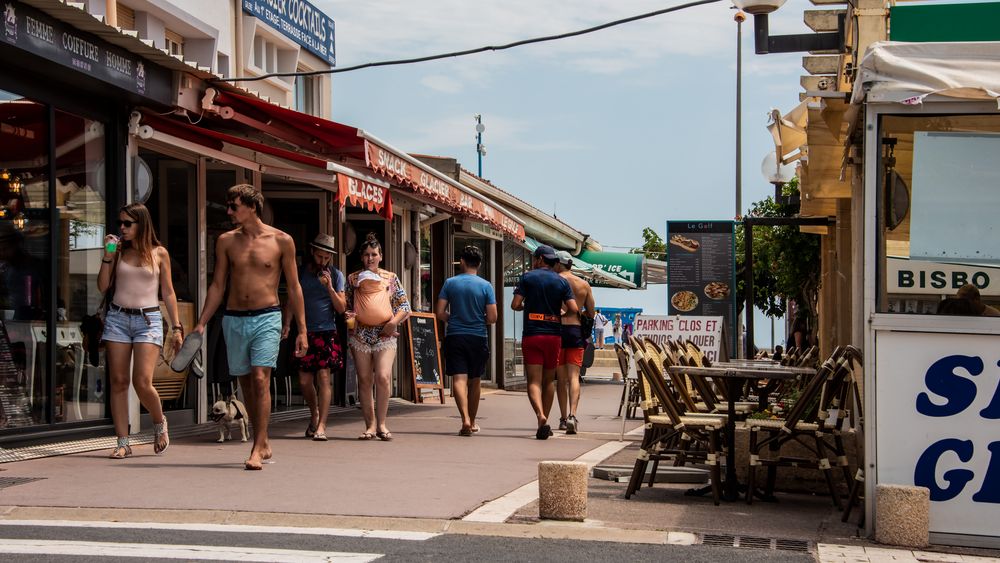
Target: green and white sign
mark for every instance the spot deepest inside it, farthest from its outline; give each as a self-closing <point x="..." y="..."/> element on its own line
<point x="628" y="267"/>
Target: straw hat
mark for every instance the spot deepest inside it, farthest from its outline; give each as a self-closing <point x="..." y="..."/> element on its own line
<point x="325" y="242"/>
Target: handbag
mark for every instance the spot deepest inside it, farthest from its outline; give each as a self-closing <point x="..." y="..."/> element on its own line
<point x="92" y="326"/>
<point x="371" y="302"/>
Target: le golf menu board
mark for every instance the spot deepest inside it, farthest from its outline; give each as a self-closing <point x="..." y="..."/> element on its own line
<point x="701" y="271"/>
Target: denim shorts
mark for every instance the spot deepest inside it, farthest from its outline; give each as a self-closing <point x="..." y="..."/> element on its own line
<point x="131" y="329"/>
<point x="252" y="340"/>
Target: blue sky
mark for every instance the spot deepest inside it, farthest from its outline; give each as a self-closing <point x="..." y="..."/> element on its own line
<point x="612" y="131"/>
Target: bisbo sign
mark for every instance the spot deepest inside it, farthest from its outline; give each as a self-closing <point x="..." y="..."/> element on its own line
<point x="938" y="423"/>
<point x="922" y="277"/>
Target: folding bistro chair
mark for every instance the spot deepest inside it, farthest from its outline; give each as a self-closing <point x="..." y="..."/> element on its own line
<point x="657" y="428"/>
<point x="630" y="392"/>
<point x="804" y="425"/>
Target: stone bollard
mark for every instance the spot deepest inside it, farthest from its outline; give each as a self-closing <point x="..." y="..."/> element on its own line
<point x="902" y="515"/>
<point x="562" y="490"/>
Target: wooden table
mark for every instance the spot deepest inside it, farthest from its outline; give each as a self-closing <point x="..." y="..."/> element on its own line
<point x="734" y="376"/>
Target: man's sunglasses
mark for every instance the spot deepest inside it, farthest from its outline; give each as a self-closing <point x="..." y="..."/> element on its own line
<point x="126" y="224"/>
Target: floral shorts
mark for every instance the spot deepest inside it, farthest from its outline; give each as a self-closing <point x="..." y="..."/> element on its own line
<point x="323" y="352"/>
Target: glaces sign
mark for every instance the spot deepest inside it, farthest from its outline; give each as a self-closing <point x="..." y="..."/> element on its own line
<point x="300" y="21"/>
<point x="938" y="424"/>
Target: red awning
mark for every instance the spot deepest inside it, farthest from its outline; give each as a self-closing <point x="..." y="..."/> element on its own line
<point x="324" y="137"/>
<point x="366" y="195"/>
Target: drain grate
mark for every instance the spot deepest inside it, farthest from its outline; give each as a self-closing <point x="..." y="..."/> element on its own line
<point x="7" y="482"/>
<point x="755" y="542"/>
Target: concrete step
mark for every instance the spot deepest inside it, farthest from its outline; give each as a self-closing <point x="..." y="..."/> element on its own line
<point x="605" y="363"/>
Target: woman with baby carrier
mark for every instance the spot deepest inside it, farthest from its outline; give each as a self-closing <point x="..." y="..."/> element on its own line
<point x="134" y="270"/>
<point x="376" y="304"/>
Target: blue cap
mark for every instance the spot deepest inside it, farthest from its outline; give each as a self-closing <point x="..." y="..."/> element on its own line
<point x="545" y="251"/>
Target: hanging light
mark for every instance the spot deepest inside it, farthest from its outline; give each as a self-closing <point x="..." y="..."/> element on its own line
<point x="5" y="174"/>
<point x="19" y="222"/>
<point x="15" y="185"/>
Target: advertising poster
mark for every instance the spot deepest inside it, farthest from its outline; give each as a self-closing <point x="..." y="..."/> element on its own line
<point x="701" y="272"/>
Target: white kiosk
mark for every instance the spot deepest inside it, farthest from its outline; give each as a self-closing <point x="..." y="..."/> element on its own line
<point x="932" y="197"/>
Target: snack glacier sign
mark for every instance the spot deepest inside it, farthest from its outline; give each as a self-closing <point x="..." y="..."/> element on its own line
<point x="937" y="424"/>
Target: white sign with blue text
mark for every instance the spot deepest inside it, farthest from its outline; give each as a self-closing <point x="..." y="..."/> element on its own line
<point x="938" y="424"/>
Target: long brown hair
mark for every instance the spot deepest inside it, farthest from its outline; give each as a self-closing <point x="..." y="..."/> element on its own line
<point x="145" y="237"/>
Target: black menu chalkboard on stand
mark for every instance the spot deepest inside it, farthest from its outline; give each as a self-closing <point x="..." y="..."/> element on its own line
<point x="425" y="355"/>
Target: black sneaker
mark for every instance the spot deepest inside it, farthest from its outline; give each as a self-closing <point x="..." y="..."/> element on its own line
<point x="571" y="424"/>
<point x="562" y="424"/>
<point x="543" y="432"/>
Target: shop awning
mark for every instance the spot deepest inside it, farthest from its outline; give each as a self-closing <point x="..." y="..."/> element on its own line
<point x="335" y="140"/>
<point x="907" y="73"/>
<point x="623" y="267"/>
<point x="596" y="276"/>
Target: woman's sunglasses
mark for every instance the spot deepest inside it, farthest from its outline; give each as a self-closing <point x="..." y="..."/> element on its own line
<point x="126" y="224"/>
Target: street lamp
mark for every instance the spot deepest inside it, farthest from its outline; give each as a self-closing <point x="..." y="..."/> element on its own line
<point x="764" y="43"/>
<point x="777" y="173"/>
<point x="480" y="147"/>
<point x="739" y="18"/>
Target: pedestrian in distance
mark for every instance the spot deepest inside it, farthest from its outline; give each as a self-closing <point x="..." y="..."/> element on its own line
<point x="136" y="267"/>
<point x="468" y="304"/>
<point x="323" y="297"/>
<point x="543" y="296"/>
<point x="376" y="304"/>
<point x="574" y="342"/>
<point x="600" y="321"/>
<point x="618" y="328"/>
<point x="249" y="263"/>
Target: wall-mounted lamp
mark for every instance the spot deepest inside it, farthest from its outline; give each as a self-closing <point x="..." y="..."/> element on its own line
<point x="19" y="222"/>
<point x="764" y="43"/>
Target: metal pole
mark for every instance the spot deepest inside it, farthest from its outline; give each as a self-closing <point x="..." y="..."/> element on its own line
<point x="748" y="283"/>
<point x="479" y="152"/>
<point x="739" y="17"/>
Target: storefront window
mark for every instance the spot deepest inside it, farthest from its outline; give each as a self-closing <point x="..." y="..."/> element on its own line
<point x="80" y="191"/>
<point x="24" y="262"/>
<point x="938" y="198"/>
<point x="516" y="261"/>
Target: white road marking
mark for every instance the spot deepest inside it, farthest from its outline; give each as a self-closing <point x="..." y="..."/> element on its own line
<point x="186" y="552"/>
<point x="500" y="509"/>
<point x="228" y="528"/>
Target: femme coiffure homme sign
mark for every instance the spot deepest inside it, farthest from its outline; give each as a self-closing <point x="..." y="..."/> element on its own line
<point x="937" y="424"/>
<point x="300" y="21"/>
<point x="38" y="33"/>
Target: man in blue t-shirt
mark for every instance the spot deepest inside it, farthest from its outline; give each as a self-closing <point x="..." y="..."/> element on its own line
<point x="544" y="296"/>
<point x="467" y="303"/>
<point x="323" y="297"/>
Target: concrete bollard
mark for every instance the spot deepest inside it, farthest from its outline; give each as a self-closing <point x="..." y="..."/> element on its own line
<point x="902" y="515"/>
<point x="562" y="490"/>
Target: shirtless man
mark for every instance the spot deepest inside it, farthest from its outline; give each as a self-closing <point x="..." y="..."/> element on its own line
<point x="573" y="344"/>
<point x="251" y="259"/>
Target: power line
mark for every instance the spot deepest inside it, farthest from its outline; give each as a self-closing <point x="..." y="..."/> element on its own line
<point x="470" y="51"/>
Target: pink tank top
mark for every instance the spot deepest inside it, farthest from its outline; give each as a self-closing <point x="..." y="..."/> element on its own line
<point x="137" y="286"/>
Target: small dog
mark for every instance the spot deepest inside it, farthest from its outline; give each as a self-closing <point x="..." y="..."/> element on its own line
<point x="226" y="412"/>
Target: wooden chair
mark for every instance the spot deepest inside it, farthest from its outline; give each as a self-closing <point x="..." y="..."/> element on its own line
<point x="703" y="432"/>
<point x="657" y="429"/>
<point x="857" y="420"/>
<point x="803" y="425"/>
<point x="630" y="392"/>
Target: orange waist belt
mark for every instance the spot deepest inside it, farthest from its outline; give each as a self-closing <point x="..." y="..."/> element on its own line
<point x="541" y="317"/>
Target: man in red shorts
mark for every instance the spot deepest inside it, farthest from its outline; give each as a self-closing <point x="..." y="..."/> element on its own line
<point x="574" y="341"/>
<point x="543" y="295"/>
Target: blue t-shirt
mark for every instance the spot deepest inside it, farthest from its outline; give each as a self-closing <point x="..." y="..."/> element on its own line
<point x="467" y="295"/>
<point x="544" y="292"/>
<point x="320" y="315"/>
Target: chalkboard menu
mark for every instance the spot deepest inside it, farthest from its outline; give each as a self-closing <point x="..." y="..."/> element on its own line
<point x="701" y="271"/>
<point x="424" y="354"/>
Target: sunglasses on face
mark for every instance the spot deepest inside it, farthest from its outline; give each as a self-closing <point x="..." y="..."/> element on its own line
<point x="126" y="224"/>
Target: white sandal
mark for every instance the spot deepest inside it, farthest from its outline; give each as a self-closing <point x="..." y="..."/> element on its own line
<point x="160" y="430"/>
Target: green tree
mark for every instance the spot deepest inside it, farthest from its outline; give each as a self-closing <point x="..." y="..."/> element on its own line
<point x="652" y="246"/>
<point x="786" y="261"/>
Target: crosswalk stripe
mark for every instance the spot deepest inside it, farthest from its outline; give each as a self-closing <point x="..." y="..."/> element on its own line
<point x="229" y="528"/>
<point x="187" y="552"/>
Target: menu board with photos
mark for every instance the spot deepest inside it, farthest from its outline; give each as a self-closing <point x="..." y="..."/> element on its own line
<point x="701" y="271"/>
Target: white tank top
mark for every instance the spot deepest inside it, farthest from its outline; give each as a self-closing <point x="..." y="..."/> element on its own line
<point x="137" y="287"/>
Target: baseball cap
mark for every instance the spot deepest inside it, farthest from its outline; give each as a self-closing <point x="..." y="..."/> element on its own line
<point x="545" y="251"/>
<point x="564" y="258"/>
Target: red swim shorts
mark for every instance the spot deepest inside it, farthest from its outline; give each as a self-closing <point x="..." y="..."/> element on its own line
<point x="571" y="356"/>
<point x="541" y="349"/>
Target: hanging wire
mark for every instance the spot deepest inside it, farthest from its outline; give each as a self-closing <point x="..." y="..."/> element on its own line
<point x="469" y="51"/>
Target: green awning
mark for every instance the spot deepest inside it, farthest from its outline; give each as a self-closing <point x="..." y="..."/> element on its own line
<point x="623" y="266"/>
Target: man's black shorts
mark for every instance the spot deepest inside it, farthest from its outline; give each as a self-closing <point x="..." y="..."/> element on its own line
<point x="572" y="337"/>
<point x="466" y="354"/>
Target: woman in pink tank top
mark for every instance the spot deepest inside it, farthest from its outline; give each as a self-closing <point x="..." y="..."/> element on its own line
<point x="134" y="270"/>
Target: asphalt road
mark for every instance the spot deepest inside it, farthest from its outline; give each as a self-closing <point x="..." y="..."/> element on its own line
<point x="126" y="544"/>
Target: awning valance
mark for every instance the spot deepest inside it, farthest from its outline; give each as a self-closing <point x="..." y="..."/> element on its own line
<point x="328" y="138"/>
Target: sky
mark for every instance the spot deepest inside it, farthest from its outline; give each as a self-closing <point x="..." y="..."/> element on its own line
<point x="614" y="131"/>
